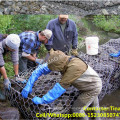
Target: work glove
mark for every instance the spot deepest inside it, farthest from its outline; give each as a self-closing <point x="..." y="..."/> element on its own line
<point x="20" y="80"/>
<point x="74" y="52"/>
<point x="51" y="95"/>
<point x="115" y="54"/>
<point x="39" y="61"/>
<point x="7" y="84"/>
<point x="26" y="90"/>
<point x="41" y="69"/>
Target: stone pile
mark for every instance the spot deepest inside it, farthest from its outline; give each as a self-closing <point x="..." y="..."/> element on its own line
<point x="77" y="7"/>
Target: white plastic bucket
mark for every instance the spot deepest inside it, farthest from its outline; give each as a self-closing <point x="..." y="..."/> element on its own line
<point x="92" y="45"/>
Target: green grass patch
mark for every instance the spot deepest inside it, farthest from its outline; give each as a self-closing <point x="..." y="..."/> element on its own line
<point x="108" y="23"/>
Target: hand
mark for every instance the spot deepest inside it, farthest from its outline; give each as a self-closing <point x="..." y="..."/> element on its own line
<point x="7" y="84"/>
<point x="26" y="91"/>
<point x="115" y="54"/>
<point x="39" y="61"/>
<point x="37" y="100"/>
<point x="74" y="52"/>
<point x="20" y="80"/>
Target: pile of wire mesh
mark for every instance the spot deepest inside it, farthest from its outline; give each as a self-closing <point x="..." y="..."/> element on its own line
<point x="107" y="67"/>
<point x="41" y="87"/>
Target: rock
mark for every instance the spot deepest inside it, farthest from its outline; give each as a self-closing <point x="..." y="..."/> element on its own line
<point x="119" y="7"/>
<point x="19" y="4"/>
<point x="22" y="11"/>
<point x="25" y="8"/>
<point x="1" y="13"/>
<point x="79" y="8"/>
<point x="8" y="3"/>
<point x="105" y="12"/>
<point x="114" y="12"/>
<point x="1" y="10"/>
<point x="113" y="35"/>
<point x="107" y="3"/>
<point x="6" y="11"/>
<point x="43" y="9"/>
<point x="17" y="8"/>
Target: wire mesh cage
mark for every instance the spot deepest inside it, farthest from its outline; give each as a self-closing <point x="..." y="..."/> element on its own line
<point x="108" y="69"/>
<point x="41" y="87"/>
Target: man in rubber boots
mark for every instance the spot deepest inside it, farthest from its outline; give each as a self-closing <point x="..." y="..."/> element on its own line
<point x="74" y="72"/>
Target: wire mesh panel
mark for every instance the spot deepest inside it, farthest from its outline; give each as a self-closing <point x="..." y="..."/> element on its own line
<point x="108" y="69"/>
<point x="41" y="87"/>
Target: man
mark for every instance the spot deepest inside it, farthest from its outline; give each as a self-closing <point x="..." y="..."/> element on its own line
<point x="8" y="43"/>
<point x="64" y="35"/>
<point x="29" y="46"/>
<point x="74" y="72"/>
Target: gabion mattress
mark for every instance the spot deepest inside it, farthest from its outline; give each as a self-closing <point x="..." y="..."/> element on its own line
<point x="107" y="67"/>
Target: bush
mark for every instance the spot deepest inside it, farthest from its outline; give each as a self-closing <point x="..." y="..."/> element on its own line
<point x="19" y="23"/>
<point x="108" y="23"/>
<point x="5" y="23"/>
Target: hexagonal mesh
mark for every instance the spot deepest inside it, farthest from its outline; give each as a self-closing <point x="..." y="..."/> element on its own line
<point x="41" y="87"/>
<point x="107" y="68"/>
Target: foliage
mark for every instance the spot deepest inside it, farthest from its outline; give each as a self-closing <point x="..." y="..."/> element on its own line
<point x="30" y="22"/>
<point x="108" y="23"/>
<point x="5" y="23"/>
<point x="9" y="68"/>
<point x="19" y="23"/>
<point x="81" y="30"/>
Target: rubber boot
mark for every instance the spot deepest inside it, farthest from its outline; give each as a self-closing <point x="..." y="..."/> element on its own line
<point x="2" y="97"/>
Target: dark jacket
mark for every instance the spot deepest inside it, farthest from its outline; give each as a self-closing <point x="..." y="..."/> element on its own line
<point x="60" y="41"/>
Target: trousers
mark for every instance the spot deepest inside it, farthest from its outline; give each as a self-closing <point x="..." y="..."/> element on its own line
<point x="90" y="86"/>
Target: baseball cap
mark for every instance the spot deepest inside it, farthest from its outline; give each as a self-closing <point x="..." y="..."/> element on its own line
<point x="47" y="33"/>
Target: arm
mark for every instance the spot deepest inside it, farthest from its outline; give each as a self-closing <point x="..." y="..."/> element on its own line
<point x="7" y="83"/>
<point x="51" y="95"/>
<point x="2" y="68"/>
<point x="15" y="66"/>
<point x="42" y="69"/>
<point x="15" y="59"/>
<point x="30" y="57"/>
<point x="3" y="72"/>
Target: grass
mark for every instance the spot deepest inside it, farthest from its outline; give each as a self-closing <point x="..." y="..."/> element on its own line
<point x="108" y="23"/>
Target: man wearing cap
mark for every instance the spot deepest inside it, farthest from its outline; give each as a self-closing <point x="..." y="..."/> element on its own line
<point x="9" y="43"/>
<point x="29" y="46"/>
<point x="64" y="35"/>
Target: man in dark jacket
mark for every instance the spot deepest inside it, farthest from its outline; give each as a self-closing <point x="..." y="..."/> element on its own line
<point x="74" y="72"/>
<point x="64" y="35"/>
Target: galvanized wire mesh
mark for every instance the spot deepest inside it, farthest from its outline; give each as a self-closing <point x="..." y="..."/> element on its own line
<point x="107" y="69"/>
<point x="41" y="87"/>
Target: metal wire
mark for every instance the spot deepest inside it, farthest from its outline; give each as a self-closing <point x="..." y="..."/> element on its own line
<point x="108" y="70"/>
